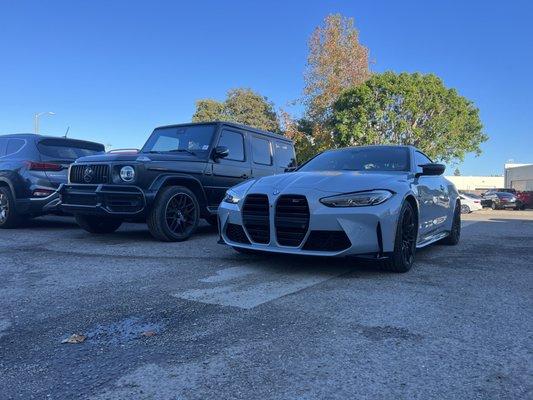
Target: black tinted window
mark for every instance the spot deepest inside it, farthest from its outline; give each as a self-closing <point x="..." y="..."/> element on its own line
<point x="195" y="138"/>
<point x="67" y="149"/>
<point x="285" y="156"/>
<point x="3" y="145"/>
<point x="261" y="151"/>
<point x="234" y="142"/>
<point x="361" y="159"/>
<point x="14" y="145"/>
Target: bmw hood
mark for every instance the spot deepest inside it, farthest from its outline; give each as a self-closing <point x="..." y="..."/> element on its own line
<point x="329" y="181"/>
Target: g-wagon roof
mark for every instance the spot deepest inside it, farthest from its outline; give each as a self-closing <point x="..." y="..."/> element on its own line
<point x="234" y="125"/>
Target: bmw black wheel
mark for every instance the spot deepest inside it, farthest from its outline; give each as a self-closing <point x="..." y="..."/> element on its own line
<point x="175" y="214"/>
<point x="402" y="259"/>
<point x="455" y="233"/>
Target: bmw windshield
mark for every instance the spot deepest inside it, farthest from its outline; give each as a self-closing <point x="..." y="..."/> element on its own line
<point x="192" y="139"/>
<point x="361" y="159"/>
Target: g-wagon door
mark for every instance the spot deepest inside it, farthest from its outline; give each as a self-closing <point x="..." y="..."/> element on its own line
<point x="232" y="169"/>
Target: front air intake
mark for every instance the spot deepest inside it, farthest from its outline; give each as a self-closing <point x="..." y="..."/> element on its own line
<point x="255" y="217"/>
<point x="292" y="219"/>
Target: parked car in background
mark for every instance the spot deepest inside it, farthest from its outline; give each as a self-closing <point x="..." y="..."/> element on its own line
<point x="32" y="167"/>
<point x="470" y="202"/>
<point x="501" y="200"/>
<point x="179" y="176"/>
<point x="381" y="202"/>
<point x="526" y="198"/>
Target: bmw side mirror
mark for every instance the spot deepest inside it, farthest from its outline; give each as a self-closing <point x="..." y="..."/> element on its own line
<point x="220" y="152"/>
<point x="431" y="169"/>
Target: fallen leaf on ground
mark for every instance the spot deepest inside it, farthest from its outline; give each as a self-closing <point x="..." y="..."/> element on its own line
<point x="149" y="333"/>
<point x="75" y="339"/>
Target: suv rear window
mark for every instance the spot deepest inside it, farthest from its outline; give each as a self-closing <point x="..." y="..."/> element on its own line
<point x="285" y="156"/>
<point x="68" y="149"/>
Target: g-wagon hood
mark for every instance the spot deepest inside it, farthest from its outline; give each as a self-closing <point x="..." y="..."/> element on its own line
<point x="142" y="157"/>
<point x="329" y="181"/>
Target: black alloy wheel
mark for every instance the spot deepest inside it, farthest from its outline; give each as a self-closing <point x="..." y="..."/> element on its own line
<point x="180" y="214"/>
<point x="175" y="214"/>
<point x="402" y="259"/>
<point x="408" y="236"/>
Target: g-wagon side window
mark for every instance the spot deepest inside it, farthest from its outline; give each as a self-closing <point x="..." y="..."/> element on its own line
<point x="234" y="141"/>
<point x="261" y="151"/>
<point x="285" y="157"/>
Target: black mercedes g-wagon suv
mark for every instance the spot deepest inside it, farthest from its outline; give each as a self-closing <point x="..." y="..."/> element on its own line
<point x="179" y="176"/>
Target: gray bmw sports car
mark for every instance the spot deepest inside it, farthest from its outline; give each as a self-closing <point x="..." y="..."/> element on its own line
<point x="382" y="202"/>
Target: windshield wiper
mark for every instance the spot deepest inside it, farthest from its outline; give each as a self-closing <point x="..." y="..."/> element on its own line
<point x="182" y="151"/>
<point x="171" y="151"/>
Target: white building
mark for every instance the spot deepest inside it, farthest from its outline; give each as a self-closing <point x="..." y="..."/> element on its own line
<point x="519" y="176"/>
<point x="472" y="183"/>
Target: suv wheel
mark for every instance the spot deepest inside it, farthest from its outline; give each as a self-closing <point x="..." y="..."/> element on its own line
<point x="493" y="206"/>
<point x="465" y="209"/>
<point x="403" y="256"/>
<point x="175" y="214"/>
<point x="97" y="224"/>
<point x="8" y="216"/>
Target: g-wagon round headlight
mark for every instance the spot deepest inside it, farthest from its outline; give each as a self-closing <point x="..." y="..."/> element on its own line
<point x="127" y="173"/>
<point x="357" y="199"/>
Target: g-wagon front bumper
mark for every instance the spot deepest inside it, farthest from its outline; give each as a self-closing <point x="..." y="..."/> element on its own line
<point x="116" y="200"/>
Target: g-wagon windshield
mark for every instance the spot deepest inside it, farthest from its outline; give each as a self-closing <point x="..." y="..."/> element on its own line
<point x="361" y="159"/>
<point x="193" y="139"/>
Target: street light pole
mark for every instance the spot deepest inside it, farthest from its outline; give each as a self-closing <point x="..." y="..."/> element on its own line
<point x="36" y="119"/>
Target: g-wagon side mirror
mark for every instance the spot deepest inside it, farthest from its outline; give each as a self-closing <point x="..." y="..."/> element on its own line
<point x="220" y="152"/>
<point x="431" y="169"/>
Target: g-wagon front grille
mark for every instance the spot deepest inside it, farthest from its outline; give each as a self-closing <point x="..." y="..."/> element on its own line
<point x="255" y="217"/>
<point x="292" y="219"/>
<point x="88" y="173"/>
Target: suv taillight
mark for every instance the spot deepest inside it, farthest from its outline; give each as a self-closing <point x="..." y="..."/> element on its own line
<point x="40" y="166"/>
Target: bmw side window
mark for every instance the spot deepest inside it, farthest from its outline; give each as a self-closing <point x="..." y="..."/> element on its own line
<point x="261" y="151"/>
<point x="234" y="141"/>
<point x="14" y="145"/>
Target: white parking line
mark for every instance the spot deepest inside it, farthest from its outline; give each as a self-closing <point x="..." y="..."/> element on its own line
<point x="249" y="286"/>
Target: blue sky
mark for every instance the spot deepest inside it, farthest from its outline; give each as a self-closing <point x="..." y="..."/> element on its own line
<point x="113" y="70"/>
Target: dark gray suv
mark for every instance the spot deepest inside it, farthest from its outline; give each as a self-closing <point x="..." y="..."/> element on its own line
<point x="180" y="175"/>
<point x="32" y="167"/>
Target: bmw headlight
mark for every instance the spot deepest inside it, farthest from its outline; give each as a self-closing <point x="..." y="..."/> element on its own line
<point x="357" y="199"/>
<point x="127" y="173"/>
<point x="231" y="197"/>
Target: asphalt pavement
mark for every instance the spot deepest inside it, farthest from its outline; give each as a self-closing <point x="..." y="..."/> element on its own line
<point x="196" y="320"/>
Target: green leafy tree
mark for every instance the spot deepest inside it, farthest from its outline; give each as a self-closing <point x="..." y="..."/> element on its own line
<point x="413" y="109"/>
<point x="242" y="106"/>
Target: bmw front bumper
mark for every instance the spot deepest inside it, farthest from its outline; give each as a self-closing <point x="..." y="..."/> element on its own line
<point x="328" y="231"/>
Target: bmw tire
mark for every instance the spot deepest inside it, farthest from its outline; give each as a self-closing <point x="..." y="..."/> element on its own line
<point x="455" y="234"/>
<point x="402" y="259"/>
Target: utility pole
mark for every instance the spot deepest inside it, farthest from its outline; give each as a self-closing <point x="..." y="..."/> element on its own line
<point x="36" y="119"/>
